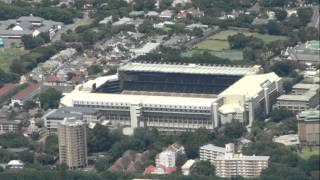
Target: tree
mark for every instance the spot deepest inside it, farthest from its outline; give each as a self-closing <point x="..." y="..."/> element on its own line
<point x="51" y="145"/>
<point x="287" y="86"/>
<point x="281" y="14"/>
<point x="50" y="98"/>
<point x="95" y="69"/>
<point x="274" y="28"/>
<point x="35" y="136"/>
<point x="30" y="42"/>
<point x="283" y="68"/>
<point x="305" y="14"/>
<point x="234" y="130"/>
<point x="238" y="41"/>
<point x="29" y="105"/>
<point x="277" y="115"/>
<point x="203" y="168"/>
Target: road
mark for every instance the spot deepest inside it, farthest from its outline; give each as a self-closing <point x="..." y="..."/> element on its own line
<point x="315" y="17"/>
<point x="77" y="22"/>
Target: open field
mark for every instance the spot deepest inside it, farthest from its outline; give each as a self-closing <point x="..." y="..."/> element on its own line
<point x="219" y="41"/>
<point x="8" y="55"/>
<point x="306" y="153"/>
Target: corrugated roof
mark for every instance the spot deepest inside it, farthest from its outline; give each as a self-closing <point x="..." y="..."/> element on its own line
<point x="191" y="69"/>
<point x="6" y="88"/>
<point x="26" y="92"/>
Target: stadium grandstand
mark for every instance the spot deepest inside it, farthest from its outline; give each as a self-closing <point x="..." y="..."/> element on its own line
<point x="175" y="98"/>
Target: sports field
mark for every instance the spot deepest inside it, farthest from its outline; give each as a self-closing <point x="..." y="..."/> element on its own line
<point x="219" y="45"/>
<point x="219" y="41"/>
<point x="8" y="55"/>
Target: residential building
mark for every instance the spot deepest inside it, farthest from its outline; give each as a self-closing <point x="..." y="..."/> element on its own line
<point x="232" y="165"/>
<point x="7" y="126"/>
<point x="210" y="152"/>
<point x="302" y="97"/>
<point x="166" y="160"/>
<point x="6" y="89"/>
<point x="15" y="165"/>
<point x="72" y="136"/>
<point x="307" y="53"/>
<point x="130" y="162"/>
<point x="13" y="29"/>
<point x="309" y="127"/>
<point x="166" y="14"/>
<point x="54" y="117"/>
<point x="147" y="48"/>
<point x="26" y="94"/>
<point x="187" y="167"/>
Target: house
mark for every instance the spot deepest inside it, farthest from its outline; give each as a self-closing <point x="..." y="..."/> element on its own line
<point x="26" y="94"/>
<point x="106" y="20"/>
<point x="6" y="89"/>
<point x="15" y="165"/>
<point x="13" y="29"/>
<point x="152" y="14"/>
<point x="166" y="160"/>
<point x="166" y="14"/>
<point x="180" y="2"/>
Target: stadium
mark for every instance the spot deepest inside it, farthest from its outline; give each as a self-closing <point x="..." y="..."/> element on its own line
<point x="179" y="97"/>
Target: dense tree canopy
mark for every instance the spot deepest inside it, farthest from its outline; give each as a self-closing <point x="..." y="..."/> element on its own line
<point x="50" y="98"/>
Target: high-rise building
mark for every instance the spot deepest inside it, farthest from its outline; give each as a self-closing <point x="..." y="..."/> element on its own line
<point x="210" y="152"/>
<point x="73" y="143"/>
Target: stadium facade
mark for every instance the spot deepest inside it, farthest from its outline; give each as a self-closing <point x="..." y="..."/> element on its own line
<point x="182" y="97"/>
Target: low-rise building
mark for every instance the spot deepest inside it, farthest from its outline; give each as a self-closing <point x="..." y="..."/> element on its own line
<point x="187" y="167"/>
<point x="309" y="127"/>
<point x="232" y="165"/>
<point x="287" y="140"/>
<point x="88" y="115"/>
<point x="7" y="126"/>
<point x="303" y="97"/>
<point x="307" y="53"/>
<point x="15" y="165"/>
<point x="13" y="29"/>
<point x="147" y="48"/>
<point x="210" y="152"/>
<point x="26" y="94"/>
<point x="228" y="163"/>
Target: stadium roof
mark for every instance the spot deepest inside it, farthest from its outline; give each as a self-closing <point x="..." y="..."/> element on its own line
<point x="144" y="100"/>
<point x="251" y="85"/>
<point x="191" y="69"/>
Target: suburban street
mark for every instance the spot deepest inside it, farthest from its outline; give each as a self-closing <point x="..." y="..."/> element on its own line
<point x="78" y="22"/>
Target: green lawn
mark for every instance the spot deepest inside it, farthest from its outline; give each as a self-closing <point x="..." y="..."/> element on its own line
<point x="8" y="55"/>
<point x="219" y="45"/>
<point x="213" y="45"/>
<point x="306" y="153"/>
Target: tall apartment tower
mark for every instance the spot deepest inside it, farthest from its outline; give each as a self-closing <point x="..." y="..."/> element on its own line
<point x="72" y="143"/>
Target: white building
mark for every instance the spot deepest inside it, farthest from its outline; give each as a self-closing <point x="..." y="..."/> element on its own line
<point x="166" y="158"/>
<point x="187" y="167"/>
<point x="210" y="152"/>
<point x="147" y="48"/>
<point x="173" y="112"/>
<point x="249" y="97"/>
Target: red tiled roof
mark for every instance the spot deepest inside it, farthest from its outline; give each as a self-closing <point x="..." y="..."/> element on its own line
<point x="25" y="92"/>
<point x="150" y="169"/>
<point x="167" y="170"/>
<point x="6" y="88"/>
<point x="52" y="78"/>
